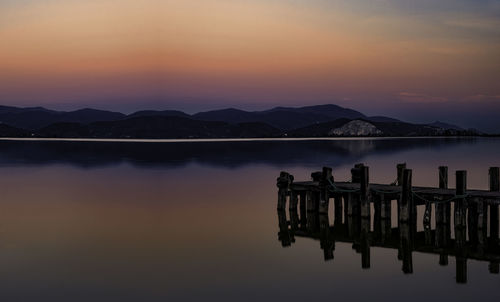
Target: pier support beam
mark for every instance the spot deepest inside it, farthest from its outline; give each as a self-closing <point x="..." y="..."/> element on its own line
<point x="406" y="200"/>
<point x="365" y="192"/>
<point x="494" y="175"/>
<point x="460" y="227"/>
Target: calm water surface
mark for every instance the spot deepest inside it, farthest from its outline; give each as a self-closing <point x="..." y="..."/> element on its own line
<point x="90" y="221"/>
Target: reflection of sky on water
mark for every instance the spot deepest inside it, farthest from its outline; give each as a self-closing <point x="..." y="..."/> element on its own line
<point x="190" y="223"/>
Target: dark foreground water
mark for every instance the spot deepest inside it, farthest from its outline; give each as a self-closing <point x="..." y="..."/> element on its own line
<point x="86" y="221"/>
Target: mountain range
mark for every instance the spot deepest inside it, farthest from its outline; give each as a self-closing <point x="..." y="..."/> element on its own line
<point x="313" y="121"/>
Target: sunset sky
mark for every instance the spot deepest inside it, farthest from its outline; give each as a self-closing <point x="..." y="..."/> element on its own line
<point x="415" y="60"/>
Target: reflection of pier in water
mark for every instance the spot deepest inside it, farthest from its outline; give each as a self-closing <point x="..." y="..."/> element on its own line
<point x="475" y="233"/>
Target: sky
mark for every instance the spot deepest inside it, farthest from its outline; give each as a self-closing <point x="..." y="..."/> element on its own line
<point x="415" y="60"/>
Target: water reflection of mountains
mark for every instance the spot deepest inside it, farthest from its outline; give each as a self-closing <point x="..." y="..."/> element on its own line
<point x="223" y="154"/>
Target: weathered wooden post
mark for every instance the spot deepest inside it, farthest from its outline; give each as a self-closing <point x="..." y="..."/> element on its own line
<point x="356" y="173"/>
<point x="461" y="191"/>
<point x="310" y="201"/>
<point x="400" y="169"/>
<point x="314" y="197"/>
<point x="294" y="200"/>
<point x="460" y="225"/>
<point x="353" y="198"/>
<point x="365" y="216"/>
<point x="312" y="222"/>
<point x="495" y="187"/>
<point x="283" y="182"/>
<point x="406" y="201"/>
<point x="294" y="220"/>
<point x="303" y="211"/>
<point x="338" y="208"/>
<point x="365" y="192"/>
<point x="324" y="184"/>
<point x="494" y="173"/>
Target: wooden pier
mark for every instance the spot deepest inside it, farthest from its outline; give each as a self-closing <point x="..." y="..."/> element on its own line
<point x="475" y="216"/>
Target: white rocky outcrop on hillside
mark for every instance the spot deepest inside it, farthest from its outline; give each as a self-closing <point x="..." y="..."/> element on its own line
<point x="356" y="128"/>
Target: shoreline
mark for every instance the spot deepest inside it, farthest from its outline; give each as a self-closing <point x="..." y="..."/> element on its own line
<point x="209" y="140"/>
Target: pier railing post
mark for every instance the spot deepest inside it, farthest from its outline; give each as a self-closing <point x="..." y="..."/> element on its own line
<point x="400" y="169"/>
<point x="283" y="182"/>
<point x="494" y="175"/>
<point x="326" y="178"/>
<point x="406" y="201"/>
<point x="365" y="192"/>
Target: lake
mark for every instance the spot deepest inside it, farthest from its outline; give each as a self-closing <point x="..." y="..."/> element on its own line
<point x="197" y="221"/>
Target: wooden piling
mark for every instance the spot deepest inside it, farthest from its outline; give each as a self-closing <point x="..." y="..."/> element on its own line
<point x="283" y="182"/>
<point x="406" y="200"/>
<point x="326" y="179"/>
<point x="284" y="235"/>
<point x="294" y="200"/>
<point x="364" y="192"/>
<point x="400" y="169"/>
<point x="494" y="175"/>
<point x="461" y="190"/>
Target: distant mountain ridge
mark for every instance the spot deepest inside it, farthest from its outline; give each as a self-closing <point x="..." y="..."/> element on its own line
<point x="320" y="120"/>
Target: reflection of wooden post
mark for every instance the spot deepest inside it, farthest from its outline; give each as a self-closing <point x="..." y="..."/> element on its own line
<point x="338" y="209"/>
<point x="460" y="225"/>
<point x="494" y="186"/>
<point x="461" y="269"/>
<point x="365" y="244"/>
<point x="326" y="243"/>
<point x="406" y="201"/>
<point x="494" y="173"/>
<point x="441" y="220"/>
<point x="364" y="192"/>
<point x="405" y="247"/>
<point x="443" y="212"/>
<point x="284" y="235"/>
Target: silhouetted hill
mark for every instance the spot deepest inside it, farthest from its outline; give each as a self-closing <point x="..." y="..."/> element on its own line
<point x="9" y="131"/>
<point x="383" y="119"/>
<point x="310" y="121"/>
<point x="159" y="127"/>
<point x="445" y="126"/>
<point x="338" y="128"/>
<point x="38" y="117"/>
<point x="284" y="118"/>
<point x="159" y="113"/>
